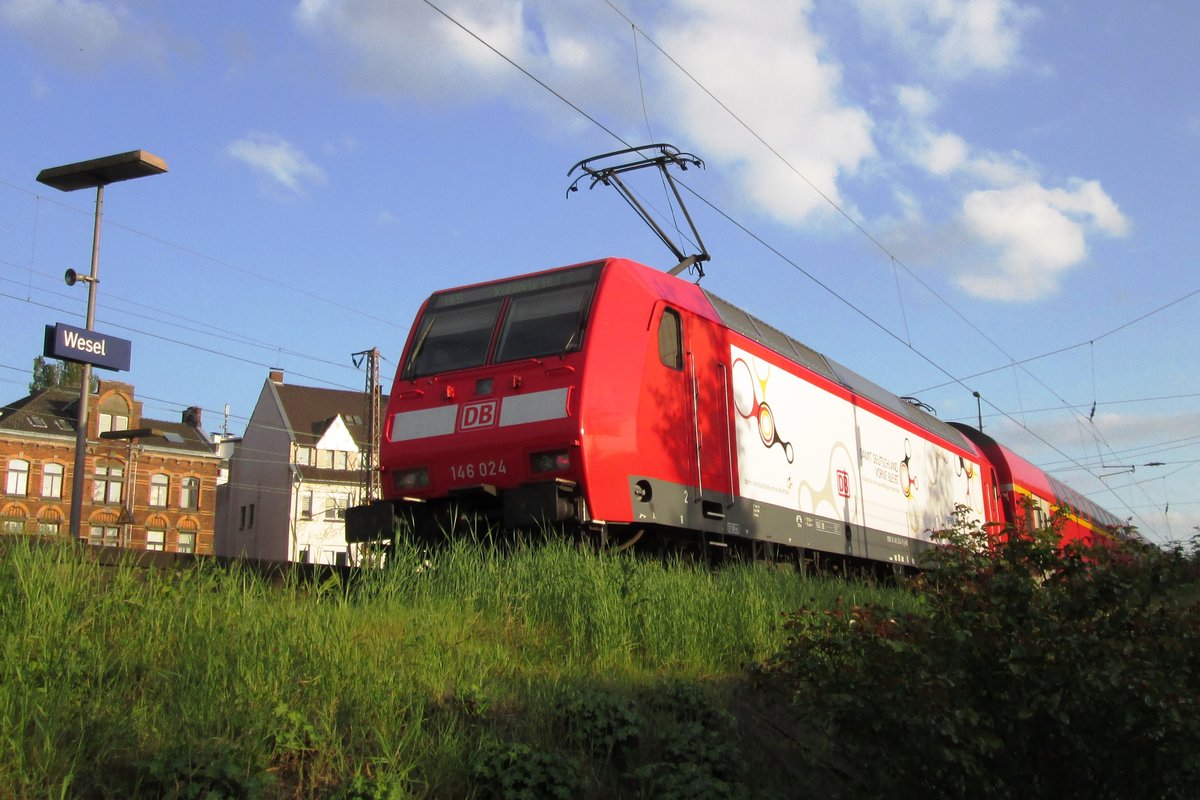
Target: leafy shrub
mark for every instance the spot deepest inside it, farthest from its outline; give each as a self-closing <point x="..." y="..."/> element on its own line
<point x="1032" y="672"/>
<point x="514" y="771"/>
<point x="694" y="751"/>
<point x="602" y="724"/>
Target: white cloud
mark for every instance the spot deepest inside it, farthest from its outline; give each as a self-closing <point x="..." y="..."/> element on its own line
<point x="763" y="60"/>
<point x="84" y="35"/>
<point x="962" y="36"/>
<point x="769" y="68"/>
<point x="1037" y="234"/>
<point x="1013" y="238"/>
<point x="277" y="159"/>
<point x="766" y="64"/>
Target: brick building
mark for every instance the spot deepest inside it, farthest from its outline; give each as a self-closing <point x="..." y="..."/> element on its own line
<point x="153" y="490"/>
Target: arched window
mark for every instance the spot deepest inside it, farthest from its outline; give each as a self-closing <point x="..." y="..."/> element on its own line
<point x="187" y="536"/>
<point x="49" y="521"/>
<point x="104" y="529"/>
<point x="113" y="413"/>
<point x="18" y="477"/>
<point x="160" y="487"/>
<point x="52" y="480"/>
<point x="189" y="495"/>
<point x="12" y="518"/>
<point x="106" y="483"/>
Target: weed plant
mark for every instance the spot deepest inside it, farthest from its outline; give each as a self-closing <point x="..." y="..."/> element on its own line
<point x="534" y="671"/>
<point x="1031" y="671"/>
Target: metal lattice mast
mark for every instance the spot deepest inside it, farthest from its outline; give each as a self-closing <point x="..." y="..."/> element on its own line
<point x="370" y="466"/>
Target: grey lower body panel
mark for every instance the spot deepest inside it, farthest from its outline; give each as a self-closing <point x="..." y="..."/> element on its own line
<point x="675" y="505"/>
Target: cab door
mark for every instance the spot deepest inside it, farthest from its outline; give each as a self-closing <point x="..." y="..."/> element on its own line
<point x="705" y="353"/>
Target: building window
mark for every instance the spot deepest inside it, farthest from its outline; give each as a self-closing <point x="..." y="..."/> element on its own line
<point x="18" y="477"/>
<point x="156" y="539"/>
<point x="335" y="506"/>
<point x="107" y="535"/>
<point x="106" y="484"/>
<point x="49" y="522"/>
<point x="160" y="486"/>
<point x="113" y="422"/>
<point x="246" y="518"/>
<point x="306" y="504"/>
<point x="189" y="497"/>
<point x="304" y="456"/>
<point x="52" y="480"/>
<point x="325" y="459"/>
<point x="341" y="459"/>
<point x="187" y="542"/>
<point x="13" y="525"/>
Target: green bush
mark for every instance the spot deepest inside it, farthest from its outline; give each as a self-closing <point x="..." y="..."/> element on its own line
<point x="1032" y="671"/>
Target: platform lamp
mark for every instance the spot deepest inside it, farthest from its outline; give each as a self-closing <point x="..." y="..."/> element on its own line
<point x="97" y="173"/>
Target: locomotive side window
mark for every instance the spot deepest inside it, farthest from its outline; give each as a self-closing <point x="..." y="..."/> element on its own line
<point x="670" y="340"/>
<point x="544" y="323"/>
<point x="453" y="338"/>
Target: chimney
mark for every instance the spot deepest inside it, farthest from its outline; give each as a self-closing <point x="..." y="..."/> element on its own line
<point x="191" y="416"/>
<point x="276" y="376"/>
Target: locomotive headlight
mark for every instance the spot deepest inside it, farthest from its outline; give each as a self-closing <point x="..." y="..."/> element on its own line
<point x="553" y="461"/>
<point x="409" y="479"/>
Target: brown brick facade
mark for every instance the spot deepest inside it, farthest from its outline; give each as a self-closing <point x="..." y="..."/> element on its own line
<point x="138" y="493"/>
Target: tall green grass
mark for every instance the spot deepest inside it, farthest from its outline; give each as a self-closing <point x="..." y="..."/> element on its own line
<point x="213" y="681"/>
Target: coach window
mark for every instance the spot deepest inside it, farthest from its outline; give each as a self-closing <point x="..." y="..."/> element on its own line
<point x="670" y="340"/>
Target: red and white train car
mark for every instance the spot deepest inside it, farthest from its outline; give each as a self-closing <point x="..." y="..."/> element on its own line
<point x="618" y="398"/>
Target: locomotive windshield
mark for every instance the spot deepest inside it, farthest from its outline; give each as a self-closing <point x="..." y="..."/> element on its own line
<point x="531" y="317"/>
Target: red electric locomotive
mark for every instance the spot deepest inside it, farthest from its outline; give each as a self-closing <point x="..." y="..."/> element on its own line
<point x="619" y="399"/>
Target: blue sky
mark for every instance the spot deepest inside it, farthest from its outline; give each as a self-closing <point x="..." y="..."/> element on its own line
<point x="947" y="196"/>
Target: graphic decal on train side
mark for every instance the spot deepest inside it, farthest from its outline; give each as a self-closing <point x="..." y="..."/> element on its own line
<point x="752" y="404"/>
<point x="835" y="464"/>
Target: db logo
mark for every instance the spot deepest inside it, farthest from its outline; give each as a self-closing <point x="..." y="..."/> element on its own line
<point x="478" y="415"/>
<point x="843" y="483"/>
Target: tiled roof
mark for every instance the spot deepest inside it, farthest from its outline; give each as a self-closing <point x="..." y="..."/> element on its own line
<point x="52" y="412"/>
<point x="310" y="410"/>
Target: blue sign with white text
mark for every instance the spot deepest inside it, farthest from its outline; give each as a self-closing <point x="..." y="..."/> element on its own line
<point x="87" y="347"/>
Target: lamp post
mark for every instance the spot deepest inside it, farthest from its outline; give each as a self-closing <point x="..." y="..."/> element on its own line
<point x="96" y="173"/>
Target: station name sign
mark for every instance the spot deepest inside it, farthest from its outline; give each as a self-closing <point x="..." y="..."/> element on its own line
<point x="87" y="347"/>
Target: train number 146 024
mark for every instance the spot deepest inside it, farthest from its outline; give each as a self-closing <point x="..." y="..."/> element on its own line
<point x="479" y="469"/>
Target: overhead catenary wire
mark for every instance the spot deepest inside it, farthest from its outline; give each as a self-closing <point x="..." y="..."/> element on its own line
<point x="759" y="239"/>
<point x="907" y="338"/>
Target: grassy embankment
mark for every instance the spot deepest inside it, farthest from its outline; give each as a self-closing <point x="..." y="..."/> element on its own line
<point x="546" y="670"/>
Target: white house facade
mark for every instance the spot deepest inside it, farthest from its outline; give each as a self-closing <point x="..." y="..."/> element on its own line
<point x="296" y="470"/>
